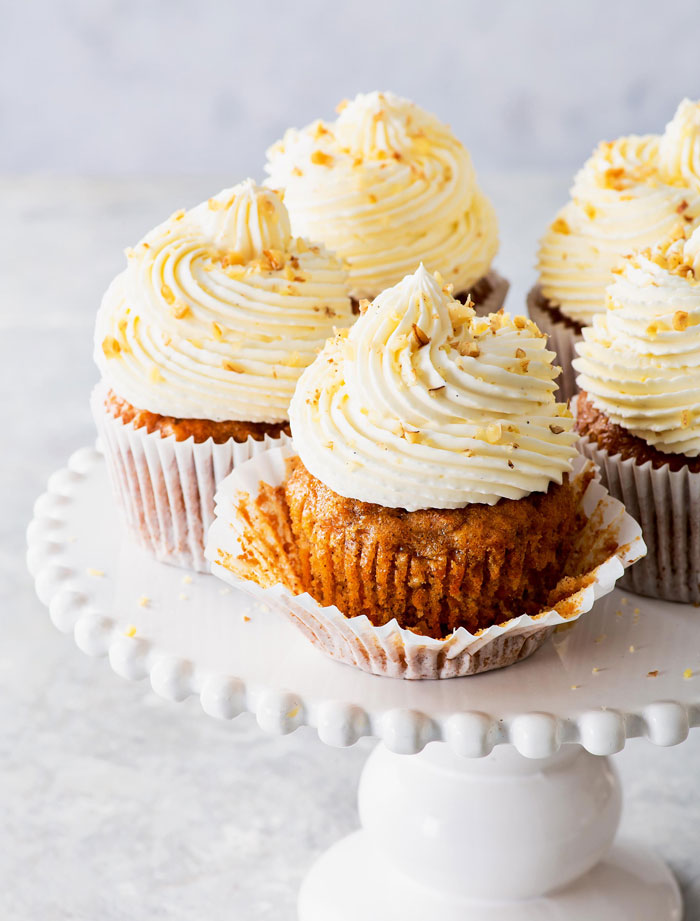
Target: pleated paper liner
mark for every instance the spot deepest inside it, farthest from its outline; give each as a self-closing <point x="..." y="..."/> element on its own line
<point x="610" y="541"/>
<point x="666" y="503"/>
<point x="562" y="340"/>
<point x="165" y="488"/>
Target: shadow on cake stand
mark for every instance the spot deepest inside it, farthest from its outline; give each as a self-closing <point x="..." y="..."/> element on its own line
<point x="488" y="797"/>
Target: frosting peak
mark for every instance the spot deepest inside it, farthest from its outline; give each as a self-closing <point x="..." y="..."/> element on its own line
<point x="422" y="404"/>
<point x="679" y="149"/>
<point x="218" y="311"/>
<point x="375" y="122"/>
<point x="640" y="360"/>
<point x="246" y="220"/>
<point x="385" y="185"/>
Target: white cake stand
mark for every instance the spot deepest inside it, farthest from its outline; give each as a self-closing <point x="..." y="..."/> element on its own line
<point x="455" y="824"/>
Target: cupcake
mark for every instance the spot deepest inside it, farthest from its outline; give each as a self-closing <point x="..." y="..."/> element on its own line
<point x="639" y="408"/>
<point x="385" y="186"/>
<point x="427" y="520"/>
<point x="200" y="342"/>
<point x="628" y="195"/>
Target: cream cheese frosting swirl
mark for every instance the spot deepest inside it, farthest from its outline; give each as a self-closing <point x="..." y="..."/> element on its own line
<point x="639" y="362"/>
<point x="627" y="196"/>
<point x="219" y="310"/>
<point x="424" y="405"/>
<point x="385" y="186"/>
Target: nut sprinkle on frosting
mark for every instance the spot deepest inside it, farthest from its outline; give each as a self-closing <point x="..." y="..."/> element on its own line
<point x="219" y="310"/>
<point x="422" y="404"/>
<point x="639" y="361"/>
<point x="385" y="185"/>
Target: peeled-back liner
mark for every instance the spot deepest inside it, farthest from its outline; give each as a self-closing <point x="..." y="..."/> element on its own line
<point x="610" y="541"/>
<point x="166" y="488"/>
<point x="562" y="340"/>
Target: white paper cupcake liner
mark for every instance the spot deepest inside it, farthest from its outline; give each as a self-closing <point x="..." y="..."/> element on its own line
<point x="396" y="652"/>
<point x="496" y="299"/>
<point x="562" y="340"/>
<point x="667" y="506"/>
<point x="165" y="488"/>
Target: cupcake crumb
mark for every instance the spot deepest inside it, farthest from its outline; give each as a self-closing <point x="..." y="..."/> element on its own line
<point x="98" y="573"/>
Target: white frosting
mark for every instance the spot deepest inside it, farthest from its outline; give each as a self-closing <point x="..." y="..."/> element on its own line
<point x="425" y="405"/>
<point x="219" y="310"/>
<point x="627" y="196"/>
<point x="386" y="186"/>
<point x="640" y="360"/>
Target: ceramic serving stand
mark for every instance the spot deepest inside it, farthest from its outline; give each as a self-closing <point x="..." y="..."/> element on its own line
<point x="487" y="797"/>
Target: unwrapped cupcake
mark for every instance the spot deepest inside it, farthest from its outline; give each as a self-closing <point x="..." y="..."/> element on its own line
<point x="200" y="342"/>
<point x="639" y="409"/>
<point x="628" y="195"/>
<point x="386" y="186"/>
<point x="432" y="517"/>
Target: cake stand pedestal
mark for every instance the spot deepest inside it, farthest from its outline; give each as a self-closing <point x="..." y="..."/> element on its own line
<point x="488" y="797"/>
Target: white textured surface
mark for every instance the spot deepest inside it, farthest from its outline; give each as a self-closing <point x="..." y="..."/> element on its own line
<point x="183" y="86"/>
<point x="122" y="805"/>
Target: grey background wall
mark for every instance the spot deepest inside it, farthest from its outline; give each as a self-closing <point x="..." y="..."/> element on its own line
<point x="203" y="86"/>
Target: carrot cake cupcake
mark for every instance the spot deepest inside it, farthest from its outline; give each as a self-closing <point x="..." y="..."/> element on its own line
<point x="429" y="488"/>
<point x="639" y="407"/>
<point x="628" y="195"/>
<point x="386" y="186"/>
<point x="200" y="342"/>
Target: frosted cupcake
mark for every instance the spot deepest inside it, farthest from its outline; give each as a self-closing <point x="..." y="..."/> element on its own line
<point x="386" y="186"/>
<point x="200" y="342"/>
<point x="428" y="511"/>
<point x="628" y="195"/>
<point x="639" y="409"/>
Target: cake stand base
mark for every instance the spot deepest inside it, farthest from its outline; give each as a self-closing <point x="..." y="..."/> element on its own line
<point x="503" y="838"/>
<point x="349" y="883"/>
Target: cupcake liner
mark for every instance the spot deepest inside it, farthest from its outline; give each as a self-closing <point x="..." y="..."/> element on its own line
<point x="666" y="503"/>
<point x="610" y="541"/>
<point x="562" y="340"/>
<point x="165" y="488"/>
<point x="499" y="290"/>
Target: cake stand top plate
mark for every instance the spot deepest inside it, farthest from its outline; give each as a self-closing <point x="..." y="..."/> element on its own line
<point x="629" y="668"/>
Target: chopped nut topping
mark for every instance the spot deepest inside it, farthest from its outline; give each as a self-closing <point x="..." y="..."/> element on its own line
<point x="111" y="347"/>
<point x="181" y="310"/>
<point x="422" y="337"/>
<point x="469" y="349"/>
<point x="229" y="365"/>
<point x="231" y="258"/>
<point x="493" y="433"/>
<point x="556" y="429"/>
<point x="681" y="208"/>
<point x="520" y="353"/>
<point x="680" y="320"/>
<point x="218" y="331"/>
<point x="167" y="293"/>
<point x="559" y="225"/>
<point x="364" y="304"/>
<point x="321" y="158"/>
<point x="274" y="258"/>
<point x="436" y="389"/>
